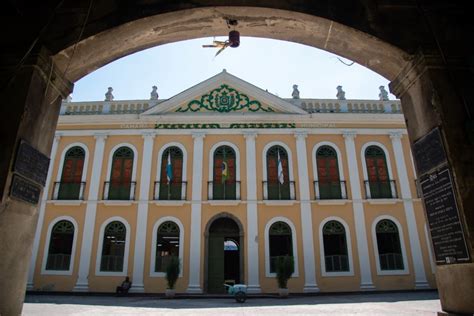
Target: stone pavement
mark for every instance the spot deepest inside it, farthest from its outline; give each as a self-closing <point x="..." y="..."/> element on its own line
<point x="396" y="303"/>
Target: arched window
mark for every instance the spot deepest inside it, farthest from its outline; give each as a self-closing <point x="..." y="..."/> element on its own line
<point x="388" y="245"/>
<point x="378" y="178"/>
<point x="335" y="247"/>
<point x="71" y="176"/>
<point x="171" y="178"/>
<point x="224" y="175"/>
<point x="280" y="243"/>
<point x="121" y="175"/>
<point x="329" y="183"/>
<point x="60" y="246"/>
<point x="113" y="247"/>
<point x="278" y="180"/>
<point x="167" y="245"/>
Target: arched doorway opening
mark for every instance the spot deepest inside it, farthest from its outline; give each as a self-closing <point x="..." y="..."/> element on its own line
<point x="224" y="253"/>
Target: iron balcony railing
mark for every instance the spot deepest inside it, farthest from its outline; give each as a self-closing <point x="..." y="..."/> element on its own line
<point x="391" y="261"/>
<point x="119" y="190"/>
<point x="68" y="190"/>
<point x="111" y="263"/>
<point x="279" y="191"/>
<point x="228" y="190"/>
<point x="380" y="189"/>
<point x="170" y="191"/>
<point x="58" y="262"/>
<point x="336" y="263"/>
<point x="330" y="190"/>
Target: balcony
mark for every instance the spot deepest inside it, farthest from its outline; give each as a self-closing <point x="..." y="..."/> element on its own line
<point x="380" y="189"/>
<point x="279" y="191"/>
<point x="119" y="191"/>
<point x="68" y="190"/>
<point x="166" y="191"/>
<point x="229" y="190"/>
<point x="330" y="190"/>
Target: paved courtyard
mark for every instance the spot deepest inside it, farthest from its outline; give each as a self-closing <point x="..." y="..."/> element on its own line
<point x="408" y="303"/>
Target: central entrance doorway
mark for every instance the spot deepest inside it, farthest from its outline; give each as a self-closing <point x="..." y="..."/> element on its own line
<point x="224" y="256"/>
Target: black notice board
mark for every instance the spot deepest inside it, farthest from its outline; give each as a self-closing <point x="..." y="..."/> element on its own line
<point x="31" y="163"/>
<point x="25" y="190"/>
<point x="428" y="151"/>
<point x="442" y="213"/>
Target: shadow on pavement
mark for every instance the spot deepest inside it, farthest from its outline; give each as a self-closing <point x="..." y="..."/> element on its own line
<point x="225" y="301"/>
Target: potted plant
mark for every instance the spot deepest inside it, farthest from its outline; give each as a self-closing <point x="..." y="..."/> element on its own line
<point x="172" y="273"/>
<point x="285" y="267"/>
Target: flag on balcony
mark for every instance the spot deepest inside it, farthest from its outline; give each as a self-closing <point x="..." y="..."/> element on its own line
<point x="169" y="170"/>
<point x="225" y="171"/>
<point x="281" y="177"/>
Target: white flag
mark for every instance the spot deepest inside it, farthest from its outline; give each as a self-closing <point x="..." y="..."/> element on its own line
<point x="281" y="177"/>
<point x="169" y="170"/>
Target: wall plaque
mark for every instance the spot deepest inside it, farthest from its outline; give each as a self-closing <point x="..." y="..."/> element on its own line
<point x="31" y="163"/>
<point x="429" y="151"/>
<point x="442" y="213"/>
<point x="25" y="190"/>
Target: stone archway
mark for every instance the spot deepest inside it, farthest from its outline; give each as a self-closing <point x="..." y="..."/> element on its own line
<point x="102" y="48"/>
<point x="411" y="45"/>
<point x="220" y="228"/>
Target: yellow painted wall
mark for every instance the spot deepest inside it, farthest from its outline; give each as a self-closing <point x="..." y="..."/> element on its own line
<point x="59" y="282"/>
<point x="266" y="211"/>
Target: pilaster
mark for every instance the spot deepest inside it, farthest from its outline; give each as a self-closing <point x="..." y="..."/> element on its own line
<point x="82" y="284"/>
<point x="358" y="209"/>
<point x="306" y="218"/>
<point x="252" y="213"/>
<point x="194" y="285"/>
<point x="142" y="214"/>
<point x="418" y="266"/>
<point x="42" y="208"/>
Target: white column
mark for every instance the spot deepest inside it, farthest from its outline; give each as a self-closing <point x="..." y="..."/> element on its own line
<point x="42" y="208"/>
<point x="306" y="219"/>
<point x="82" y="283"/>
<point x="142" y="214"/>
<point x="359" y="216"/>
<point x="253" y="280"/>
<point x="416" y="254"/>
<point x="194" y="285"/>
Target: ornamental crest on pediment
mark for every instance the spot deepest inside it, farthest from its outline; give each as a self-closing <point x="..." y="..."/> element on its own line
<point x="224" y="99"/>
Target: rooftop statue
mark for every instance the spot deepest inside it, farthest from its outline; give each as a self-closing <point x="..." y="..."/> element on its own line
<point x="154" y="93"/>
<point x="109" y="96"/>
<point x="341" y="95"/>
<point x="383" y="95"/>
<point x="296" y="92"/>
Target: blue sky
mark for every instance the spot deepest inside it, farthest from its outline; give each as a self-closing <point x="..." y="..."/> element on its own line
<point x="268" y="64"/>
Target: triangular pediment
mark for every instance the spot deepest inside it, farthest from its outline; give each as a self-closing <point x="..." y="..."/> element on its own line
<point x="224" y="93"/>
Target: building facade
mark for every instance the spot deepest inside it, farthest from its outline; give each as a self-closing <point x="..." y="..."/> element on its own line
<point x="228" y="177"/>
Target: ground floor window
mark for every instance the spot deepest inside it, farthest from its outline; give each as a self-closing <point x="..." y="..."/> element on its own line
<point x="335" y="247"/>
<point x="281" y="243"/>
<point x="167" y="245"/>
<point x="60" y="246"/>
<point x="388" y="245"/>
<point x="113" y="247"/>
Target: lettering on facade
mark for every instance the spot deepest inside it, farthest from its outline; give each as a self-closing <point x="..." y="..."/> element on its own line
<point x="31" y="163"/>
<point x="442" y="213"/>
<point x="25" y="190"/>
<point x="136" y="125"/>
